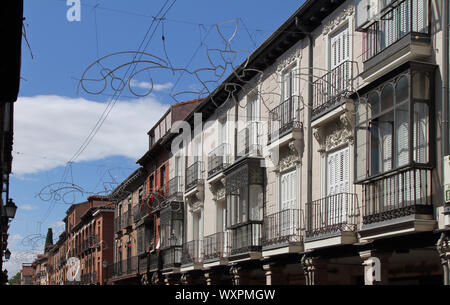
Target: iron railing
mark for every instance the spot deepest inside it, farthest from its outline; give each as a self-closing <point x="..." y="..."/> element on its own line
<point x="192" y="252"/>
<point x="284" y="118"/>
<point x="94" y="279"/>
<point x="175" y="187"/>
<point x="171" y="257"/>
<point x="194" y="175"/>
<point x="399" y="20"/>
<point x="137" y="212"/>
<point x="332" y="214"/>
<point x="331" y="87"/>
<point x="155" y="261"/>
<point x="246" y="238"/>
<point x="118" y="223"/>
<point x="127" y="266"/>
<point x="401" y="194"/>
<point x="249" y="140"/>
<point x="127" y="219"/>
<point x="218" y="159"/>
<point x="216" y="246"/>
<point x="283" y="227"/>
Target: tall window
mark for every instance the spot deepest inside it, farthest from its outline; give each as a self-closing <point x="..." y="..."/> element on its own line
<point x="162" y="181"/>
<point x="393" y="126"/>
<point x="290" y="83"/>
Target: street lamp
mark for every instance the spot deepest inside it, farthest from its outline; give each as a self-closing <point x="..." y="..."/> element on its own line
<point x="10" y="209"/>
<point x="7" y="254"/>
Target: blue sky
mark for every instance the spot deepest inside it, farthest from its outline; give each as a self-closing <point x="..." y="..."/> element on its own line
<point x="54" y="115"/>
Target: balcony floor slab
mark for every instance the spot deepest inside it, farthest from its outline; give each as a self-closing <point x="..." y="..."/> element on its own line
<point x="399" y="226"/>
<point x="342" y="238"/>
<point x="291" y="248"/>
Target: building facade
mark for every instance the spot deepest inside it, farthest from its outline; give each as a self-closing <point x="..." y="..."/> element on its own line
<point x="327" y="162"/>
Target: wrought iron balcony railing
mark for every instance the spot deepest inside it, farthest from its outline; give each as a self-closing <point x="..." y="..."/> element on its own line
<point x="216" y="246"/>
<point x="332" y="214"/>
<point x="175" y="187"/>
<point x="137" y="212"/>
<point x="194" y="175"/>
<point x="249" y="140"/>
<point x="127" y="219"/>
<point x="283" y="228"/>
<point x="155" y="261"/>
<point x="192" y="252"/>
<point x="118" y="223"/>
<point x="284" y="118"/>
<point x="402" y="194"/>
<point x="218" y="159"/>
<point x="330" y="88"/>
<point x="402" y="18"/>
<point x="246" y="239"/>
<point x="171" y="257"/>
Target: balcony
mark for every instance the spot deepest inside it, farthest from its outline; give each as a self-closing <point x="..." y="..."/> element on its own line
<point x="246" y="240"/>
<point x="171" y="257"/>
<point x="175" y="188"/>
<point x="218" y="159"/>
<point x="118" y="224"/>
<point x="216" y="247"/>
<point x="331" y="89"/>
<point x="283" y="229"/>
<point x="137" y="212"/>
<point x="398" y="203"/>
<point x="249" y="141"/>
<point x="127" y="266"/>
<point x="194" y="176"/>
<point x="402" y="33"/>
<point x="127" y="220"/>
<point x="285" y="118"/>
<point x="334" y="217"/>
<point x="192" y="253"/>
<point x="155" y="262"/>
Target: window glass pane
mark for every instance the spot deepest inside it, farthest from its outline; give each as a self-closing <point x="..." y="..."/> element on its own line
<point x="421" y="86"/>
<point x="381" y="143"/>
<point x="387" y="97"/>
<point x="373" y="105"/>
<point x="361" y="151"/>
<point x="401" y="134"/>
<point x="243" y="200"/>
<point x="256" y="202"/>
<point x="401" y="91"/>
<point x="420" y="133"/>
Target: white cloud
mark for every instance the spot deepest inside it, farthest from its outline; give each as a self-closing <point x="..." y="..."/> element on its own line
<point x="49" y="129"/>
<point x="27" y="207"/>
<point x="146" y="85"/>
<point x="58" y="224"/>
<point x="18" y="257"/>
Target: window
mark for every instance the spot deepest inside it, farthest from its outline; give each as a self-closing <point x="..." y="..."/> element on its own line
<point x="392" y="125"/>
<point x="290" y="84"/>
<point x="151" y="183"/>
<point x="163" y="176"/>
<point x="338" y="172"/>
<point x="288" y="191"/>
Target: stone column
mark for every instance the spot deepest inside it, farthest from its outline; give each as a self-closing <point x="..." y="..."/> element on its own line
<point x="208" y="278"/>
<point x="443" y="249"/>
<point x="169" y="279"/>
<point x="184" y="279"/>
<point x="315" y="270"/>
<point x="268" y="273"/>
<point x="234" y="272"/>
<point x="375" y="267"/>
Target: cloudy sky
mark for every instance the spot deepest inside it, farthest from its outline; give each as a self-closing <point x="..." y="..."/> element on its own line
<point x="54" y="114"/>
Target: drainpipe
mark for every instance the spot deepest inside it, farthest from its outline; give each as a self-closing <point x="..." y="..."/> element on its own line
<point x="445" y="67"/>
<point x="309" y="135"/>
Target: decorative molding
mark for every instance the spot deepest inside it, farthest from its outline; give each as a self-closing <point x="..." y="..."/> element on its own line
<point x="288" y="58"/>
<point x="338" y="134"/>
<point x="217" y="188"/>
<point x="335" y="22"/>
<point x="289" y="159"/>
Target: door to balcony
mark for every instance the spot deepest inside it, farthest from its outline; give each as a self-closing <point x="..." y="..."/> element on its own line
<point x="337" y="182"/>
<point x="288" y="202"/>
